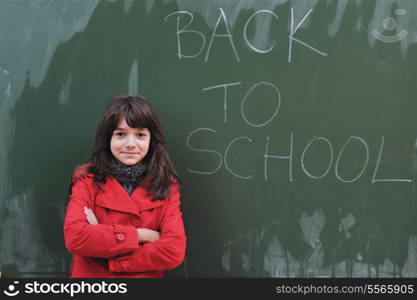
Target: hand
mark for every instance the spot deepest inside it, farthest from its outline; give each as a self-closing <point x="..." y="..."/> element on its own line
<point x="91" y="217"/>
<point x="147" y="235"/>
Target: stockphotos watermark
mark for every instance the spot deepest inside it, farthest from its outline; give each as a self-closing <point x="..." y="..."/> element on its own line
<point x="71" y="289"/>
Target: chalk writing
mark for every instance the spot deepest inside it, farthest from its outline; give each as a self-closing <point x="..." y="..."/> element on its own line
<point x="268" y="156"/>
<point x="224" y="157"/>
<point x="222" y="19"/>
<point x="245" y="35"/>
<point x="226" y="153"/>
<point x="184" y="30"/>
<point x="222" y="16"/>
<point x="225" y="86"/>
<point x="336" y="168"/>
<point x="204" y="150"/>
<point x="320" y="138"/>
<point x="379" y="162"/>
<point x="275" y="112"/>
<point x="292" y="38"/>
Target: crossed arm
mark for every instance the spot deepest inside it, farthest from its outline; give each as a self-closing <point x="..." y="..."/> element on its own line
<point x="127" y="249"/>
<point x="144" y="235"/>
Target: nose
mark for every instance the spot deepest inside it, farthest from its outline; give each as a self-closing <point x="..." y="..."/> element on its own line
<point x="130" y="142"/>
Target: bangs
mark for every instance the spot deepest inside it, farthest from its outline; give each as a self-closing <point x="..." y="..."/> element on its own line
<point x="135" y="118"/>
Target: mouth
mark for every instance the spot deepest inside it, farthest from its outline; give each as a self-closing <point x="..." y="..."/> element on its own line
<point x="130" y="153"/>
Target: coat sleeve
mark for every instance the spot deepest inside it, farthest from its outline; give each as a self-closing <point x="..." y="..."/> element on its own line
<point x="84" y="239"/>
<point x="167" y="253"/>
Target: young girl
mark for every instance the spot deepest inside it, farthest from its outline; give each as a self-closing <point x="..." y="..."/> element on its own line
<point x="123" y="218"/>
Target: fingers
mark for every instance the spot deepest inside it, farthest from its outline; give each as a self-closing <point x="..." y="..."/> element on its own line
<point x="153" y="235"/>
<point x="148" y="235"/>
<point x="156" y="237"/>
<point x="91" y="218"/>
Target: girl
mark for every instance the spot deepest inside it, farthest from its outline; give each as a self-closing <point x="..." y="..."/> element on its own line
<point x="123" y="218"/>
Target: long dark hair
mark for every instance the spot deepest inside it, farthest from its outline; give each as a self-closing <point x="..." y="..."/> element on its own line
<point x="138" y="113"/>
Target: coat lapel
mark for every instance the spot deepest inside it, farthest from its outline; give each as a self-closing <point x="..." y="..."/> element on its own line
<point x="143" y="201"/>
<point x="116" y="198"/>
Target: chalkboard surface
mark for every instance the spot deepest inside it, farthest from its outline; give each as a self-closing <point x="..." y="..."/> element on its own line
<point x="291" y="123"/>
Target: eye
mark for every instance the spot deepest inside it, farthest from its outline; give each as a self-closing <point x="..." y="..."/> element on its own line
<point x="141" y="135"/>
<point x="119" y="133"/>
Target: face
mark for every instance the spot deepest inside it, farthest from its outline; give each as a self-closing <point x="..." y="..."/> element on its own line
<point x="129" y="145"/>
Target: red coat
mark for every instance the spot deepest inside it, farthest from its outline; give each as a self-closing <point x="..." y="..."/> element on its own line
<point x="111" y="248"/>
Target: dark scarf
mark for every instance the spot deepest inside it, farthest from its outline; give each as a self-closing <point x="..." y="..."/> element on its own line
<point x="128" y="176"/>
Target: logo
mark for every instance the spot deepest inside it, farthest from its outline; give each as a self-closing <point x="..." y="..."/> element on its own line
<point x="12" y="290"/>
<point x="389" y="24"/>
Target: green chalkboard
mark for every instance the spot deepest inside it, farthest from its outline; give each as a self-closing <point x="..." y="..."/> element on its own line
<point x="291" y="123"/>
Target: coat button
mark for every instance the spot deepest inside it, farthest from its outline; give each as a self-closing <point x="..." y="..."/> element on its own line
<point x="125" y="264"/>
<point x="120" y="237"/>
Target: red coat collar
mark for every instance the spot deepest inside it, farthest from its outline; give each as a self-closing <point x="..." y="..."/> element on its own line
<point x="116" y="198"/>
